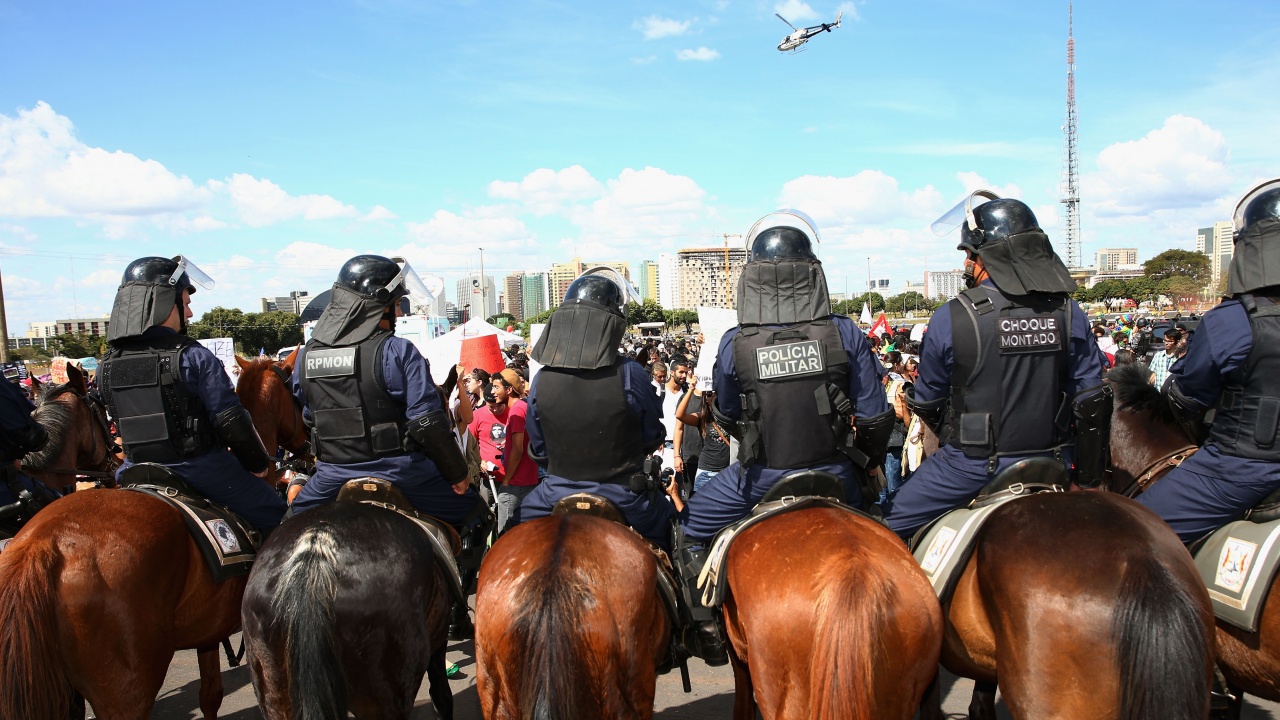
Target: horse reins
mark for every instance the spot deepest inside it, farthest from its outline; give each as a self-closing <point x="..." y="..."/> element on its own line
<point x="1169" y="461"/>
<point x="107" y="456"/>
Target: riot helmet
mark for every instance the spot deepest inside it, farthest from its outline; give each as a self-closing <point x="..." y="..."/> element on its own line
<point x="782" y="282"/>
<point x="149" y="290"/>
<point x="366" y="293"/>
<point x="383" y="280"/>
<point x="1005" y="234"/>
<point x="586" y="330"/>
<point x="1255" y="263"/>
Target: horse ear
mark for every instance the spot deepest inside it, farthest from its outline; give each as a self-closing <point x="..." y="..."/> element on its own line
<point x="244" y="364"/>
<point x="75" y="379"/>
<point x="35" y="385"/>
<point x="292" y="357"/>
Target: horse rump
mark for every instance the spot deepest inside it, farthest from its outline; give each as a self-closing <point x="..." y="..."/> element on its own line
<point x="289" y="621"/>
<point x="1163" y="647"/>
<point x="33" y="683"/>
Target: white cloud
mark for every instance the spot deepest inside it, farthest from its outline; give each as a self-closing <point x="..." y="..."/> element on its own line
<point x="46" y="171"/>
<point x="702" y="53"/>
<point x="973" y="181"/>
<point x="647" y="59"/>
<point x="379" y="213"/>
<point x="797" y="11"/>
<point x="654" y="27"/>
<point x="849" y="11"/>
<point x="261" y="202"/>
<point x="869" y="198"/>
<point x="1180" y="165"/>
<point x="649" y="204"/>
<point x="545" y="191"/>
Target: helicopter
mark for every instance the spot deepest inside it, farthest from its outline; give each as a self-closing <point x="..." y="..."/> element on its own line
<point x="793" y="42"/>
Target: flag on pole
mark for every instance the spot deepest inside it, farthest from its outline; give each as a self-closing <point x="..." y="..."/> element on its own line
<point x="865" y="317"/>
<point x="880" y="327"/>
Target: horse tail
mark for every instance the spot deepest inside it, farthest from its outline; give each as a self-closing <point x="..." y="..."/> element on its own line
<point x="851" y="608"/>
<point x="1161" y="645"/>
<point x="545" y="632"/>
<point x="304" y="600"/>
<point x="33" y="683"/>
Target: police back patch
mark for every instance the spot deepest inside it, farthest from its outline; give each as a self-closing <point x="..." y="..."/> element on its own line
<point x="1029" y="333"/>
<point x="796" y="359"/>
<point x="330" y="363"/>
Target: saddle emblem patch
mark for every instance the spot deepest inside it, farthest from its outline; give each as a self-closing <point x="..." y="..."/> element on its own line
<point x="1233" y="564"/>
<point x="937" y="551"/>
<point x="224" y="534"/>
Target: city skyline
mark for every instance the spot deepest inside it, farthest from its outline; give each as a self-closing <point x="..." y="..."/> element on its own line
<point x="596" y="131"/>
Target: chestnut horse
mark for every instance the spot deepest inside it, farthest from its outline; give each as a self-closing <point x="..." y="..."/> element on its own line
<point x="569" y="622"/>
<point x="828" y="616"/>
<point x="1145" y="442"/>
<point x="96" y="594"/>
<point x="264" y="391"/>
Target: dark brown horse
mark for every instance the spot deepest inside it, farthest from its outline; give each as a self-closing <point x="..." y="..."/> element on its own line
<point x="79" y="441"/>
<point x="569" y="622"/>
<point x="828" y="616"/>
<point x="1146" y="443"/>
<point x="1080" y="605"/>
<point x="96" y="594"/>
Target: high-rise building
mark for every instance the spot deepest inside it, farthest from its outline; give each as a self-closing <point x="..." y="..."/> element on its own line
<point x="943" y="285"/>
<point x="42" y="329"/>
<point x="879" y="286"/>
<point x="668" y="280"/>
<point x="708" y="276"/>
<point x="648" y="280"/>
<point x="294" y="303"/>
<point x="513" y="295"/>
<point x="534" y="290"/>
<point x="440" y="306"/>
<point x="562" y="274"/>
<point x="1218" y="242"/>
<point x="470" y="301"/>
<point x="82" y="326"/>
<point x="1111" y="258"/>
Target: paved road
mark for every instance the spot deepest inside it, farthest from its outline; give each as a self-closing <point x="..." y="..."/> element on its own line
<point x="712" y="695"/>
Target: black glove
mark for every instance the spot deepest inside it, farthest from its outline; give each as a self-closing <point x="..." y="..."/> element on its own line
<point x="235" y="427"/>
<point x="433" y="432"/>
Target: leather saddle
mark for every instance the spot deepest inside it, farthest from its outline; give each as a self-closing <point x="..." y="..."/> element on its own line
<point x="226" y="541"/>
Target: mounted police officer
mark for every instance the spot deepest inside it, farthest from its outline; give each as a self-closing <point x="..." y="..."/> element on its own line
<point x="796" y="385"/>
<point x="171" y="399"/>
<point x="1004" y="367"/>
<point x="593" y="416"/>
<point x="20" y="434"/>
<point x="1141" y="340"/>
<point x="370" y="401"/>
<point x="1233" y="368"/>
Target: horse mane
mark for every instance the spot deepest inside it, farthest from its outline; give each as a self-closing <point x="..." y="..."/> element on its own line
<point x="251" y="376"/>
<point x="57" y="418"/>
<point x="1135" y="393"/>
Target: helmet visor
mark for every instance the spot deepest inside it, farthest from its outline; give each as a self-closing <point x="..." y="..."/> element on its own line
<point x="787" y="217"/>
<point x="193" y="273"/>
<point x="407" y="282"/>
<point x="962" y="212"/>
<point x="1238" y="217"/>
<point x="629" y="292"/>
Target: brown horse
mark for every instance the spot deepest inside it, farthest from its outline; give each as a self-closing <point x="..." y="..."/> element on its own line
<point x="264" y="391"/>
<point x="1146" y="443"/>
<point x="828" y="616"/>
<point x="79" y="441"/>
<point x="96" y="594"/>
<point x="569" y="622"/>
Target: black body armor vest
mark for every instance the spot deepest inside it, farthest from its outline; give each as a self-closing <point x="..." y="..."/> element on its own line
<point x="158" y="418"/>
<point x="590" y="431"/>
<point x="355" y="420"/>
<point x="1009" y="373"/>
<point x="1248" y="411"/>
<point x="787" y="408"/>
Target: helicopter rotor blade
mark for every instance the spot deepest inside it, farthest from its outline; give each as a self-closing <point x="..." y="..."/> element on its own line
<point x="788" y="22"/>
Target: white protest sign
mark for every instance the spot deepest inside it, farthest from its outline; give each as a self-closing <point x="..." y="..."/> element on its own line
<point x="535" y="332"/>
<point x="225" y="350"/>
<point x="715" y="322"/>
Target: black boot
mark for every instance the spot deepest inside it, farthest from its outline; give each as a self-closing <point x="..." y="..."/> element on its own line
<point x="460" y="626"/>
<point x="702" y="636"/>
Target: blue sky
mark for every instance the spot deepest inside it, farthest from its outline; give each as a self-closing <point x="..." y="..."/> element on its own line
<point x="271" y="142"/>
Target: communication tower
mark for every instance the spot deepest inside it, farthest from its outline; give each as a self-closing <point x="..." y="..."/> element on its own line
<point x="1070" y="152"/>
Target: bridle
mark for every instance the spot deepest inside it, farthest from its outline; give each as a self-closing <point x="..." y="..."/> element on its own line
<point x="97" y="410"/>
<point x="1157" y="468"/>
<point x="293" y="444"/>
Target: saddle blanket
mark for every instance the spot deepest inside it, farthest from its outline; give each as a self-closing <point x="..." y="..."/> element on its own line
<point x="713" y="581"/>
<point x="228" y="544"/>
<point x="944" y="548"/>
<point x="1238" y="563"/>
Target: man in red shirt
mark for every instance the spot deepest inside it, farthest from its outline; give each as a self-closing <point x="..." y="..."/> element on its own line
<point x="500" y="427"/>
